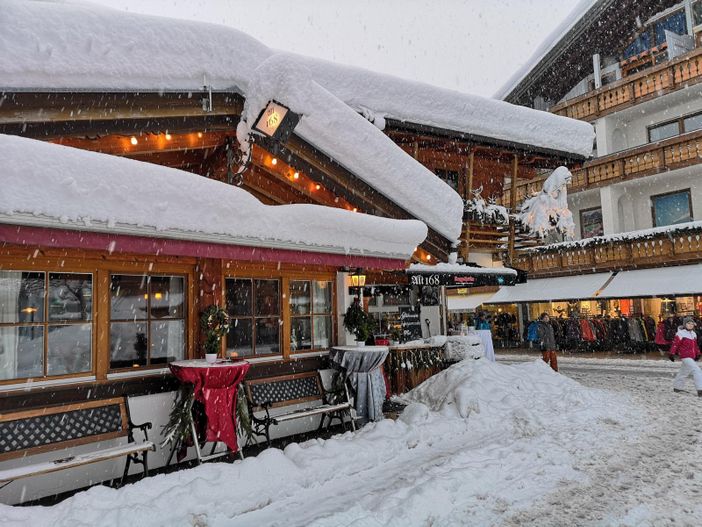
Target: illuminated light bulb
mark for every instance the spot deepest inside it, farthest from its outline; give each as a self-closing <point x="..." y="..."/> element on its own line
<point x="274" y="161"/>
<point x="296" y="175"/>
<point x="168" y="136"/>
<point x="355" y="209"/>
<point x="317" y="187"/>
<point x="428" y="257"/>
<point x="134" y="140"/>
<point x="199" y="134"/>
<point x="415" y="249"/>
<point x="158" y="296"/>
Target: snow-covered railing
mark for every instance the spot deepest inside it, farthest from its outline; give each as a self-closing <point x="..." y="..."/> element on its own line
<point x="670" y="245"/>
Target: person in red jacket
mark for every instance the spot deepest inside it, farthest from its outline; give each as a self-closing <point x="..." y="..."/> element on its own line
<point x="685" y="345"/>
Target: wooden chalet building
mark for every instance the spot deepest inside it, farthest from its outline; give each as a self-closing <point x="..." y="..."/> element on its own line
<point x="113" y="245"/>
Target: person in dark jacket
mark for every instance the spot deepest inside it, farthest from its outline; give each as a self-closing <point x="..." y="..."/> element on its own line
<point x="685" y="346"/>
<point x="547" y="341"/>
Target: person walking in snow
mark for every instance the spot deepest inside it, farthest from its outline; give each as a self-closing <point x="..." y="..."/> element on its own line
<point x="685" y="345"/>
<point x="547" y="341"/>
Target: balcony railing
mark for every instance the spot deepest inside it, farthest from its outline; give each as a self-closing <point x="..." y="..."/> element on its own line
<point x="656" y="81"/>
<point x="677" y="152"/>
<point x="672" y="246"/>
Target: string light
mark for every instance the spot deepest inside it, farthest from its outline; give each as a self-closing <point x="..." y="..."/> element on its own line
<point x="317" y="187"/>
<point x="296" y="175"/>
<point x="133" y="140"/>
<point x="355" y="209"/>
<point x="428" y="257"/>
<point x="168" y="136"/>
<point x="199" y="135"/>
<point x="274" y="161"/>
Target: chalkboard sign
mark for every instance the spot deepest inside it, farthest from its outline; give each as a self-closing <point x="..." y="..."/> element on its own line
<point x="410" y="324"/>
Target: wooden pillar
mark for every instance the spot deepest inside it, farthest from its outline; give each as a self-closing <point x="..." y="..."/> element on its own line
<point x="513" y="206"/>
<point x="466" y="195"/>
<point x="415" y="150"/>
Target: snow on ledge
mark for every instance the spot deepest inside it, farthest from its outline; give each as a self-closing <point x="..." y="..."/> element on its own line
<point x="641" y="235"/>
<point x="457" y="268"/>
<point x="87" y="191"/>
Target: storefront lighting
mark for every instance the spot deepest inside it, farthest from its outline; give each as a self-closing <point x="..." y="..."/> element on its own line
<point x="317" y="187"/>
<point x="158" y="296"/>
<point x="199" y="135"/>
<point x="358" y="279"/>
<point x="134" y="140"/>
<point x="274" y="161"/>
<point x="296" y="175"/>
<point x="168" y="136"/>
<point x="29" y="310"/>
<point x="428" y="257"/>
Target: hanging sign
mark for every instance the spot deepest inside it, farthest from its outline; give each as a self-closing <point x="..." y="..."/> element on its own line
<point x="463" y="280"/>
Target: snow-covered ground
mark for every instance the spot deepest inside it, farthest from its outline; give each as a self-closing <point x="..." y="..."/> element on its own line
<point x="481" y="444"/>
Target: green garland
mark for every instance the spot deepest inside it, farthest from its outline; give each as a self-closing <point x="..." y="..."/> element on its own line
<point x="178" y="430"/>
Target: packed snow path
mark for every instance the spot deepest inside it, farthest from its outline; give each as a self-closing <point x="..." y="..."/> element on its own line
<point x="542" y="450"/>
<point x="653" y="478"/>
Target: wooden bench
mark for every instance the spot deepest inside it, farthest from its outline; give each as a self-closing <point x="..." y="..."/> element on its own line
<point x="264" y="394"/>
<point x="28" y="432"/>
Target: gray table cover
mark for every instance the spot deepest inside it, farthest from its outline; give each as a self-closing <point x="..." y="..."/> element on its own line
<point x="362" y="366"/>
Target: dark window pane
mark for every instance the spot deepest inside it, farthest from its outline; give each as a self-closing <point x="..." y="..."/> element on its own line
<point x="664" y="131"/>
<point x="21" y="352"/>
<point x="128" y="344"/>
<point x="450" y="177"/>
<point x="70" y="296"/>
<point x="692" y="123"/>
<point x="167" y="341"/>
<point x="675" y="23"/>
<point x="671" y="209"/>
<point x="128" y="297"/>
<point x="301" y="335"/>
<point x="300" y="297"/>
<point x="322" y="332"/>
<point x="267" y="297"/>
<point x="267" y="336"/>
<point x="697" y="13"/>
<point x="167" y="296"/>
<point x="240" y="337"/>
<point x="239" y="297"/>
<point x="70" y="349"/>
<point x="21" y="297"/>
<point x="322" y="296"/>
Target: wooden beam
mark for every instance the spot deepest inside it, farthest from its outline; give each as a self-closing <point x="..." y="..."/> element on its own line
<point x="513" y="205"/>
<point x="467" y="188"/>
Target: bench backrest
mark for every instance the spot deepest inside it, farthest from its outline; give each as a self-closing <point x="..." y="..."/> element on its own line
<point x="28" y="432"/>
<point x="284" y="390"/>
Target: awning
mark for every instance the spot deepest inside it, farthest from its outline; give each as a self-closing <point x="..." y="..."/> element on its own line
<point x="464" y="303"/>
<point x="661" y="281"/>
<point x="548" y="289"/>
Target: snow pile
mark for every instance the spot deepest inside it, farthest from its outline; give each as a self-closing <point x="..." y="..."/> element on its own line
<point x="57" y="186"/>
<point x="548" y="211"/>
<point x="528" y="429"/>
<point x="486" y="211"/>
<point x="460" y="347"/>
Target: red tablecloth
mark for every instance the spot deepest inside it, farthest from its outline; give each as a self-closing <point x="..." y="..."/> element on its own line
<point x="216" y="387"/>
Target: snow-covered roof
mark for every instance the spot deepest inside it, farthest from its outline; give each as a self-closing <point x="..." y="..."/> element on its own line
<point x="582" y="7"/>
<point x="47" y="185"/>
<point x="457" y="268"/>
<point x="85" y="47"/>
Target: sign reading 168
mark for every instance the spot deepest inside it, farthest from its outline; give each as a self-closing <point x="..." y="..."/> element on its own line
<point x="420" y="279"/>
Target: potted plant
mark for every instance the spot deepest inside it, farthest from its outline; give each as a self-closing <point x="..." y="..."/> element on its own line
<point x="358" y="322"/>
<point x="215" y="323"/>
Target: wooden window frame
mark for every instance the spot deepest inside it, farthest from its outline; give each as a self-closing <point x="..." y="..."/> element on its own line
<point x="253" y="317"/>
<point x="312" y="313"/>
<point x="653" y="204"/>
<point x="285" y="273"/>
<point x="47" y="271"/>
<point x="681" y="126"/>
<point x="148" y="320"/>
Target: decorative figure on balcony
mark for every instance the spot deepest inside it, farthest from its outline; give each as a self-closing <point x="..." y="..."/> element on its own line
<point x="547" y="211"/>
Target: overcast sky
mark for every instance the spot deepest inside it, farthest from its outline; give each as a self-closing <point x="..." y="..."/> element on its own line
<point x="469" y="45"/>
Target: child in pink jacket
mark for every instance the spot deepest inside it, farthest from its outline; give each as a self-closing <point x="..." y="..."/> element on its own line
<point x="685" y="345"/>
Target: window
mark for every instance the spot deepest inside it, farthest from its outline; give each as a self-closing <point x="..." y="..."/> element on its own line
<point x="640" y="44"/>
<point x="310" y="307"/>
<point x="254" y="306"/>
<point x="697" y="13"/>
<point x="663" y="131"/>
<point x="692" y="122"/>
<point x="450" y="177"/>
<point x="671" y="208"/>
<point x="675" y="23"/>
<point x="591" y="223"/>
<point x="45" y="324"/>
<point x="147" y="320"/>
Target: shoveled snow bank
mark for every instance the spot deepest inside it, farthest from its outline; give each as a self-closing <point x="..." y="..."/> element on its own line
<point x="528" y="429"/>
<point x="50" y="185"/>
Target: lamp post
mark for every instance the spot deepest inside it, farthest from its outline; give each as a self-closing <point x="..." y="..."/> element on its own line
<point x="358" y="280"/>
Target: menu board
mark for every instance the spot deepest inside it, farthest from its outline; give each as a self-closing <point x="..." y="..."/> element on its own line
<point x="410" y="324"/>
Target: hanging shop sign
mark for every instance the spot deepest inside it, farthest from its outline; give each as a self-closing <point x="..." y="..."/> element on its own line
<point x="462" y="280"/>
<point x="410" y="324"/>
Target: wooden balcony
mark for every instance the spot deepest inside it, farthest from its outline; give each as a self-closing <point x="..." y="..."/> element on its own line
<point x="678" y="246"/>
<point x="658" y="80"/>
<point x="677" y="152"/>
